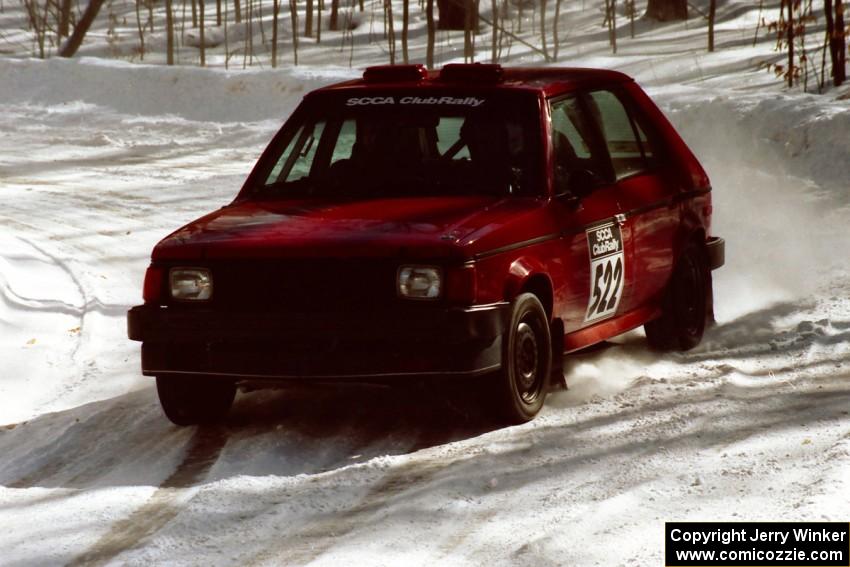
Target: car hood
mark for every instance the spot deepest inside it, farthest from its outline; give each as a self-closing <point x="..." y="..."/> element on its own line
<point x="409" y="227"/>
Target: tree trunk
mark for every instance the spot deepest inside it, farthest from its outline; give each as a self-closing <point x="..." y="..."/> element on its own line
<point x="320" y="5"/>
<point x="468" y="54"/>
<point x="429" y="50"/>
<point x="73" y="44"/>
<point x="308" y="19"/>
<point x="293" y="16"/>
<point x="388" y="8"/>
<point x="237" y="11"/>
<point x="712" y="11"/>
<point x="226" y="43"/>
<point x="195" y="13"/>
<point x="141" y="32"/>
<point x="275" y="12"/>
<point x="666" y="10"/>
<point x="169" y="32"/>
<point x="405" y="16"/>
<point x="612" y="24"/>
<point x="333" y="25"/>
<point x="494" y="42"/>
<point x="790" y="38"/>
<point x="65" y="18"/>
<point x="543" y="29"/>
<point x="201" y="11"/>
<point x="556" y="40"/>
<point x="218" y="12"/>
<point x="839" y="66"/>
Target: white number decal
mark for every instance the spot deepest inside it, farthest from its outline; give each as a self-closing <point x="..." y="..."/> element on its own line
<point x="607" y="270"/>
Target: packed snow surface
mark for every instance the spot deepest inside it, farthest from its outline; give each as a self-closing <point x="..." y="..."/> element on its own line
<point x="98" y="161"/>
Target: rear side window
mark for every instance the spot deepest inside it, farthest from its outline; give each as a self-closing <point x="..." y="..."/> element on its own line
<point x="626" y="143"/>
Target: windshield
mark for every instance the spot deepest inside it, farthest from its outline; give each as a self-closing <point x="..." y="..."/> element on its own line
<point x="417" y="145"/>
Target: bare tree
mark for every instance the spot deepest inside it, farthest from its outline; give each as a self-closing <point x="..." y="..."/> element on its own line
<point x="468" y="50"/>
<point x="308" y="19"/>
<point x="429" y="49"/>
<point x="203" y="40"/>
<point x="333" y="24"/>
<point x="73" y="44"/>
<point x="388" y="15"/>
<point x="237" y="11"/>
<point x="790" y="38"/>
<point x="65" y="18"/>
<point x="293" y="15"/>
<point x="320" y="5"/>
<point x="275" y="13"/>
<point x="543" y="29"/>
<point x="169" y="31"/>
<point x="141" y="32"/>
<point x="611" y="21"/>
<point x="839" y="63"/>
<point x="405" y="16"/>
<point x="494" y="40"/>
<point x="712" y="11"/>
<point x="555" y="39"/>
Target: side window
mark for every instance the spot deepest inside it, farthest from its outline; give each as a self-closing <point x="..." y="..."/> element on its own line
<point x="644" y="142"/>
<point x="297" y="158"/>
<point x="345" y="141"/>
<point x="621" y="136"/>
<point x="448" y="134"/>
<point x="575" y="144"/>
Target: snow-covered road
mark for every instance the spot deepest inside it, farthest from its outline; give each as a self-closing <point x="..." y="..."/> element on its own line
<point x="754" y="424"/>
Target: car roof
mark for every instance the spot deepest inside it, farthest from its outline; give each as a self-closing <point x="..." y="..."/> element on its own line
<point x="547" y="81"/>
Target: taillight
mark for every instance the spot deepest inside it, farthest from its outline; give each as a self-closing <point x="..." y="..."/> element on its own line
<point x="461" y="285"/>
<point x="152" y="291"/>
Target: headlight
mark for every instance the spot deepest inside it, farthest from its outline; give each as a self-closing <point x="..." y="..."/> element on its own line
<point x="420" y="282"/>
<point x="191" y="284"/>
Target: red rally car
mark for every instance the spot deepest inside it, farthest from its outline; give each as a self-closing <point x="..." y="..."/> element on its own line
<point x="476" y="221"/>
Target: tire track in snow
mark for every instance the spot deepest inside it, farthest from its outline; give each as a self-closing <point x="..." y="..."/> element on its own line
<point x="167" y="501"/>
<point x="308" y="543"/>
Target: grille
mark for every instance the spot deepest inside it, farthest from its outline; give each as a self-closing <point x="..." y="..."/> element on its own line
<point x="303" y="286"/>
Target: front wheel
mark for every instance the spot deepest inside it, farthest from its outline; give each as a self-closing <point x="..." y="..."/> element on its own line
<point x="193" y="400"/>
<point x="526" y="361"/>
<point x="685" y="306"/>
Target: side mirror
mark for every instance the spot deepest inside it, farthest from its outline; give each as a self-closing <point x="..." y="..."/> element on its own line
<point x="577" y="185"/>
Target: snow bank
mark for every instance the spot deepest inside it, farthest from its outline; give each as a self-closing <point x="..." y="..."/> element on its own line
<point x="188" y="92"/>
<point x="799" y="134"/>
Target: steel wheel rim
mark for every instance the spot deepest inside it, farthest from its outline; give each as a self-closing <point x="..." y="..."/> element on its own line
<point x="527" y="362"/>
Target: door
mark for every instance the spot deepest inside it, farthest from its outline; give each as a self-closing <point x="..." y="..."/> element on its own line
<point x="646" y="197"/>
<point x="595" y="241"/>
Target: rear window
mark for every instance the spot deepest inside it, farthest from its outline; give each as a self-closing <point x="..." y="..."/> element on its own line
<point x="401" y="144"/>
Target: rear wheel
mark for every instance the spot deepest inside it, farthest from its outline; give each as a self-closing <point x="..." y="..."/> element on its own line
<point x="526" y="361"/>
<point x="192" y="400"/>
<point x="684" y="310"/>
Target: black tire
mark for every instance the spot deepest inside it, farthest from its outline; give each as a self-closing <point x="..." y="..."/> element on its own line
<point x="685" y="304"/>
<point x="526" y="361"/>
<point x="193" y="400"/>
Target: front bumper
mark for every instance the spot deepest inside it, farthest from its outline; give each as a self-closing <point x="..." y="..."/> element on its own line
<point x="420" y="341"/>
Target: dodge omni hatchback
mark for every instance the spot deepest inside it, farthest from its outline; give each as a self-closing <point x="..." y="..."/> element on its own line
<point x="472" y="222"/>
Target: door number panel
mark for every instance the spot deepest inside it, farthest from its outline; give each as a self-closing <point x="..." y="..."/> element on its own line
<point x="607" y="271"/>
